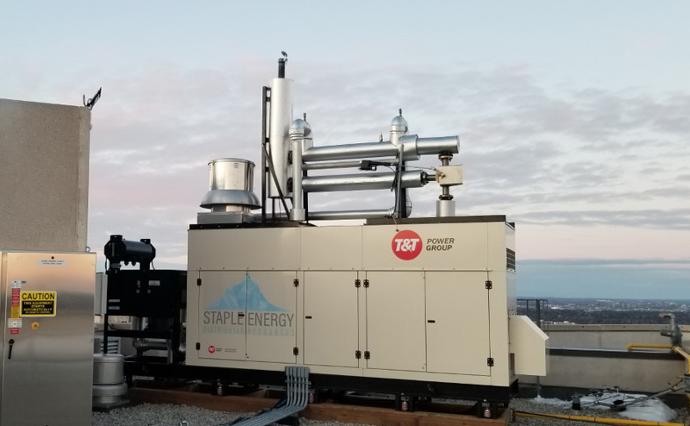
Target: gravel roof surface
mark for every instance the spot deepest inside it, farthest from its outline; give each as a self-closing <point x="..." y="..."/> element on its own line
<point x="177" y="415"/>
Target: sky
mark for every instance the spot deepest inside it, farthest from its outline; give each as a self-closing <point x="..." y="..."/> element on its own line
<point x="573" y="116"/>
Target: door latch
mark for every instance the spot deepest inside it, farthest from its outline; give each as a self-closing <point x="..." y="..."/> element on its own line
<point x="9" y="350"/>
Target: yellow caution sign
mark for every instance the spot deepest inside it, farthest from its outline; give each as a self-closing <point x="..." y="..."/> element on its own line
<point x="38" y="303"/>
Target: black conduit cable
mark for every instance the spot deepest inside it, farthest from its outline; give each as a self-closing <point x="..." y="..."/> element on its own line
<point x="275" y="180"/>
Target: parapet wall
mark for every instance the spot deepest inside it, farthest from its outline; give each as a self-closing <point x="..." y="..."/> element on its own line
<point x="595" y="356"/>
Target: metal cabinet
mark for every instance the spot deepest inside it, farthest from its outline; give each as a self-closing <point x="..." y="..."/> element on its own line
<point x="47" y="325"/>
<point x="395" y="319"/>
<point x="331" y="327"/>
<point x="220" y="300"/>
<point x="457" y="328"/>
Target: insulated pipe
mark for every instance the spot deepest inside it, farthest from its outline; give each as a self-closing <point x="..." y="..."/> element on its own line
<point x="323" y="165"/>
<point x="351" y="214"/>
<point x="280" y="118"/>
<point x="437" y="145"/>
<point x="363" y="181"/>
<point x="413" y="148"/>
<point x="300" y="134"/>
<point x="350" y="151"/>
<point x="297" y="213"/>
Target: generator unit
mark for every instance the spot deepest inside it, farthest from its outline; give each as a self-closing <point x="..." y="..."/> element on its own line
<point x="392" y="303"/>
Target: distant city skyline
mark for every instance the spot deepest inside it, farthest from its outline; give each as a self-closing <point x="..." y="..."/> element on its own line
<point x="573" y="116"/>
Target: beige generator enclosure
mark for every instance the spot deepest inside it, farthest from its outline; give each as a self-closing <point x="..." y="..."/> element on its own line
<point x="427" y="300"/>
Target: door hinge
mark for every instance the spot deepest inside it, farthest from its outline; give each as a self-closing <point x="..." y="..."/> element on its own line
<point x="488" y="284"/>
<point x="295" y="351"/>
<point x="358" y="354"/>
<point x="366" y="283"/>
<point x="198" y="281"/>
<point x="296" y="282"/>
<point x="490" y="362"/>
<point x="198" y="346"/>
<point x="367" y="354"/>
<point x="358" y="283"/>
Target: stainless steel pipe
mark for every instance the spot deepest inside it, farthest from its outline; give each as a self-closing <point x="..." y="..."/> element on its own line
<point x="280" y="118"/>
<point x="300" y="135"/>
<point x="413" y="147"/>
<point x="363" y="181"/>
<point x="323" y="165"/>
<point x="437" y="145"/>
<point x="350" y="214"/>
<point x="350" y="151"/>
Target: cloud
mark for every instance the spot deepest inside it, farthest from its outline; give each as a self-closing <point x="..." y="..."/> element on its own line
<point x="664" y="219"/>
<point x="540" y="154"/>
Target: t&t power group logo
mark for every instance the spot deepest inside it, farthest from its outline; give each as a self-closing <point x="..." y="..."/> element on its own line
<point x="406" y="244"/>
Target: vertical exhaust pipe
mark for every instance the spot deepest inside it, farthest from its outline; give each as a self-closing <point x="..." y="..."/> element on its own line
<point x="300" y="136"/>
<point x="279" y="125"/>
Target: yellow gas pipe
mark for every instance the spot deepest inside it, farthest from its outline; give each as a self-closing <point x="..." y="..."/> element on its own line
<point x="637" y="346"/>
<point x="677" y="349"/>
<point x="596" y="420"/>
<point x="681" y="352"/>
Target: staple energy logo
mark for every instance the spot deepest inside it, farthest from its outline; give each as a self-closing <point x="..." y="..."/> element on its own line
<point x="243" y="308"/>
<point x="406" y="245"/>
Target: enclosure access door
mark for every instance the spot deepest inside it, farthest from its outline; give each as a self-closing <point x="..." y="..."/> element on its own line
<point x="222" y="311"/>
<point x="331" y="327"/>
<point x="47" y="358"/>
<point x="457" y="312"/>
<point x="395" y="338"/>
<point x="247" y="315"/>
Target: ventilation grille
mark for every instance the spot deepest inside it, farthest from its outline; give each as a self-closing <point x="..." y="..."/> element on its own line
<point x="510" y="260"/>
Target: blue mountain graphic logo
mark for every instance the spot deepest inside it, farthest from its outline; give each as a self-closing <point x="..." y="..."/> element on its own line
<point x="244" y="295"/>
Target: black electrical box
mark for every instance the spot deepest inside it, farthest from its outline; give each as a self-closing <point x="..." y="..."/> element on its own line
<point x="146" y="293"/>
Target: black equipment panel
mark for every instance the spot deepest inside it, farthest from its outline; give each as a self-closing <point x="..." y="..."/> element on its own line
<point x="146" y="293"/>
